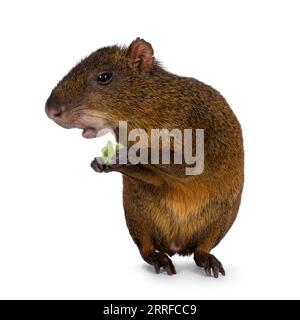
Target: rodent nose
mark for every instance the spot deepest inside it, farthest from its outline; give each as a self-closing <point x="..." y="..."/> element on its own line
<point x="55" y="107"/>
<point x="54" y="112"/>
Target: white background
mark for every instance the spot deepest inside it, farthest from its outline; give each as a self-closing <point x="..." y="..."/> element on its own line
<point x="62" y="230"/>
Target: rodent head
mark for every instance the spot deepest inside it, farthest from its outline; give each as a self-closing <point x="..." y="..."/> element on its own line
<point x="106" y="87"/>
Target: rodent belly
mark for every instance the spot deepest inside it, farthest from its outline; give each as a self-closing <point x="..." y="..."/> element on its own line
<point x="176" y="225"/>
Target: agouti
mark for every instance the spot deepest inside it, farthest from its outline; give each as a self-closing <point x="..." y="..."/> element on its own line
<point x="167" y="212"/>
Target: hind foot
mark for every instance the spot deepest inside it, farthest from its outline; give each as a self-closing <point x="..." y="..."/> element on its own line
<point x="210" y="264"/>
<point x="160" y="260"/>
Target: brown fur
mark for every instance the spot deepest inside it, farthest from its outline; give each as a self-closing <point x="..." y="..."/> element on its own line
<point x="165" y="210"/>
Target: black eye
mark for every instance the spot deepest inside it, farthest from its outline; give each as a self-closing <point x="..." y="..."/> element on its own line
<point x="104" y="77"/>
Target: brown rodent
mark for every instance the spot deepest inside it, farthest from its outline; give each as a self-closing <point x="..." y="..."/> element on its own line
<point x="166" y="211"/>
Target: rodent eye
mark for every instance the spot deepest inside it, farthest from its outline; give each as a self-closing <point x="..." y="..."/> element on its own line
<point x="104" y="77"/>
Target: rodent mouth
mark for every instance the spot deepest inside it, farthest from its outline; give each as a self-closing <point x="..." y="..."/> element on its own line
<point x="92" y="123"/>
<point x="89" y="133"/>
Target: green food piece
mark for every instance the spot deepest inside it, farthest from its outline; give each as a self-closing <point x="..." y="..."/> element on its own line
<point x="118" y="147"/>
<point x="109" y="151"/>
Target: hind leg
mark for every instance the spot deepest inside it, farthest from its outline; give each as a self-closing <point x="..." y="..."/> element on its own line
<point x="204" y="259"/>
<point x="140" y="225"/>
<point x="226" y="213"/>
<point x="209" y="262"/>
<point x="159" y="260"/>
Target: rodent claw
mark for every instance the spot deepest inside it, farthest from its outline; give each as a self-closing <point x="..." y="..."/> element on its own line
<point x="161" y="260"/>
<point x="97" y="166"/>
<point x="212" y="266"/>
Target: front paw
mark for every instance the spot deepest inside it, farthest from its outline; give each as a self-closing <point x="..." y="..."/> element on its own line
<point x="99" y="165"/>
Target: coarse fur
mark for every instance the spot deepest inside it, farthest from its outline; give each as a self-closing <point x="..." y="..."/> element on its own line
<point x="166" y="211"/>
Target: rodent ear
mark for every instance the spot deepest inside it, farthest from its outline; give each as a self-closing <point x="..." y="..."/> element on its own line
<point x="141" y="53"/>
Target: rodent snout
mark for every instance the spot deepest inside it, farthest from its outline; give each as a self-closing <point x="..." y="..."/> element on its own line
<point x="54" y="111"/>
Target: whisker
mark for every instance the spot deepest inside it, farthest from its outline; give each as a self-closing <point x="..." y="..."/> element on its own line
<point x="78" y="108"/>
